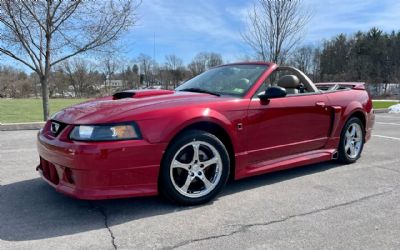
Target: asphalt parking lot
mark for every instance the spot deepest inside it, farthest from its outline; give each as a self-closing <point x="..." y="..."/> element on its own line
<point x="327" y="205"/>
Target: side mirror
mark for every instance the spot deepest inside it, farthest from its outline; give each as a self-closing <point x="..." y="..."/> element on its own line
<point x="272" y="92"/>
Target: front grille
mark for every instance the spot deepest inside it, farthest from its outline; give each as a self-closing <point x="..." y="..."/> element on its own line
<point x="49" y="171"/>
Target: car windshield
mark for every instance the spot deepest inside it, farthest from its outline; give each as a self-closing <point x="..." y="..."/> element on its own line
<point x="233" y="80"/>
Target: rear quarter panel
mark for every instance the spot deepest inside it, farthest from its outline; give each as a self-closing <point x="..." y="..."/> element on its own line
<point x="351" y="101"/>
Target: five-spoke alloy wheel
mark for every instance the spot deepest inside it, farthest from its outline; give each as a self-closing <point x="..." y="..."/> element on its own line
<point x="351" y="140"/>
<point x="195" y="168"/>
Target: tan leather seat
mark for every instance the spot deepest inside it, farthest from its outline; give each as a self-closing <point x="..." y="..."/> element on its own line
<point x="291" y="83"/>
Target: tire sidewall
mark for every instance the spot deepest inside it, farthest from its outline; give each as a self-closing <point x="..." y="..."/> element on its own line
<point x="166" y="186"/>
<point x="342" y="154"/>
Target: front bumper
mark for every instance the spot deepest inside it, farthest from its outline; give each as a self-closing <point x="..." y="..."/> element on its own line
<point x="100" y="170"/>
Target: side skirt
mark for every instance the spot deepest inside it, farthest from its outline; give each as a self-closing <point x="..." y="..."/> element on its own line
<point x="287" y="162"/>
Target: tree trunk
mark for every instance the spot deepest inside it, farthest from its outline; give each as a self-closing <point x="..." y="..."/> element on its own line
<point x="44" y="82"/>
<point x="75" y="90"/>
<point x="385" y="86"/>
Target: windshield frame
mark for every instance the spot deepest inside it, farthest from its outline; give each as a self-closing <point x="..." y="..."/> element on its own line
<point x="266" y="67"/>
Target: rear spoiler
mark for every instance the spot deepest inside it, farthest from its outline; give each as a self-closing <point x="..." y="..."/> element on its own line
<point x="352" y="85"/>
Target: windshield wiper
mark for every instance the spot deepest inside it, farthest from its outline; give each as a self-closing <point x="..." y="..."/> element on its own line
<point x="198" y="90"/>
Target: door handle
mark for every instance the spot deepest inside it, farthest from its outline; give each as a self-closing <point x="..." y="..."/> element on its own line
<point x="320" y="104"/>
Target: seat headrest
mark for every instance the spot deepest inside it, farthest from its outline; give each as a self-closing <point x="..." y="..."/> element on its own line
<point x="289" y="81"/>
<point x="244" y="81"/>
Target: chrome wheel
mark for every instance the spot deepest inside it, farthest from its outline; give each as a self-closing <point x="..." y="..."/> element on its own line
<point x="353" y="140"/>
<point x="196" y="169"/>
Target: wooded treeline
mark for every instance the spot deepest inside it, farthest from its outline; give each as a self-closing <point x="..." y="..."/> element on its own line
<point x="83" y="77"/>
<point x="372" y="57"/>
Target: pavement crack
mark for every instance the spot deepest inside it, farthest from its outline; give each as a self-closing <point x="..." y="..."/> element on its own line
<point x="102" y="211"/>
<point x="389" y="169"/>
<point x="244" y="227"/>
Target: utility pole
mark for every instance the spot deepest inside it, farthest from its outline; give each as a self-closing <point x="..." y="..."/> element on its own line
<point x="154" y="57"/>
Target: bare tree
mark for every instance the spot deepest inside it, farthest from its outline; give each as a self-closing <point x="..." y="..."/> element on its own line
<point x="173" y="62"/>
<point x="129" y="77"/>
<point x="197" y="66"/>
<point x="175" y="66"/>
<point x="59" y="82"/>
<point x="41" y="34"/>
<point x="109" y="66"/>
<point x="14" y="82"/>
<point x="303" y="59"/>
<point x="275" y="27"/>
<point x="316" y="65"/>
<point x="203" y="61"/>
<point x="214" y="59"/>
<point x="145" y="68"/>
<point x="77" y="72"/>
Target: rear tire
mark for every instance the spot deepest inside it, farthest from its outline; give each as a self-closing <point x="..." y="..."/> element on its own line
<point x="195" y="168"/>
<point x="352" y="141"/>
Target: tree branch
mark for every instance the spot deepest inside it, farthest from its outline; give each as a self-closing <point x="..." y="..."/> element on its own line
<point x="12" y="55"/>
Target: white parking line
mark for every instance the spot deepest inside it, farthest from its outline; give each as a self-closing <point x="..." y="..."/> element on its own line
<point x="388" y="123"/>
<point x="387" y="137"/>
<point x="17" y="150"/>
<point x="387" y="117"/>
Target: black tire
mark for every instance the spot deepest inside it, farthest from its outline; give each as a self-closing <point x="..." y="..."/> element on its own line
<point x="344" y="155"/>
<point x="168" y="186"/>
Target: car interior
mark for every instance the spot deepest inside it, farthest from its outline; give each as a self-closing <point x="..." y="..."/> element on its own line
<point x="291" y="83"/>
<point x="293" y="80"/>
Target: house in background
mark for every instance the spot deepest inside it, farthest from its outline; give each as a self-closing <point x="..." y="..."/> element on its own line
<point x="113" y="84"/>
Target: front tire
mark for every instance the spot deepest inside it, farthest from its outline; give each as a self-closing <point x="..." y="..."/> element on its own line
<point x="352" y="141"/>
<point x="195" y="168"/>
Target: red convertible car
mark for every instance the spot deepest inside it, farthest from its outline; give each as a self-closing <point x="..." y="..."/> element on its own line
<point x="232" y="121"/>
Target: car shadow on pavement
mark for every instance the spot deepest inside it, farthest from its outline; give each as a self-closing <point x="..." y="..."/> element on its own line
<point x="31" y="209"/>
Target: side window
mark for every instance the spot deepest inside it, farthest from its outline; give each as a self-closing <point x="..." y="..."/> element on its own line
<point x="263" y="87"/>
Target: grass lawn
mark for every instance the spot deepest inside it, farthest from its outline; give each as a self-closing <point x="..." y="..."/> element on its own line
<point x="30" y="110"/>
<point x="383" y="104"/>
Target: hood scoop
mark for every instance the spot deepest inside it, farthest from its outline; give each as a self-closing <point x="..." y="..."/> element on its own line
<point x="141" y="93"/>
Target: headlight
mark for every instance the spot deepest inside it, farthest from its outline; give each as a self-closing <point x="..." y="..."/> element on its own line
<point x="108" y="132"/>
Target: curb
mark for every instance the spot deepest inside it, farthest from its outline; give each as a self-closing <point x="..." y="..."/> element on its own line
<point x="380" y="111"/>
<point x="386" y="100"/>
<point x="21" y="126"/>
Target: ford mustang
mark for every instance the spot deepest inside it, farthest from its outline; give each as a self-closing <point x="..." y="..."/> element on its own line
<point x="232" y="121"/>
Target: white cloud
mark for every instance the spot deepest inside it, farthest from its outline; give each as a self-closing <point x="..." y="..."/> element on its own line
<point x="188" y="27"/>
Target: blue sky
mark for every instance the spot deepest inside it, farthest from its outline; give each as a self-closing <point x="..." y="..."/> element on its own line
<point x="186" y="27"/>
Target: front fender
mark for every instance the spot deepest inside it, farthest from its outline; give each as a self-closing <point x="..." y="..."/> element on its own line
<point x="165" y="128"/>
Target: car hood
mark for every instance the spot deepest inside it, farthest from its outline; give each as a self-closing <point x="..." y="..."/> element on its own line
<point x="109" y="109"/>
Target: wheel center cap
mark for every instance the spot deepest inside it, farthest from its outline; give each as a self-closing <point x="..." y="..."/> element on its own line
<point x="196" y="168"/>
